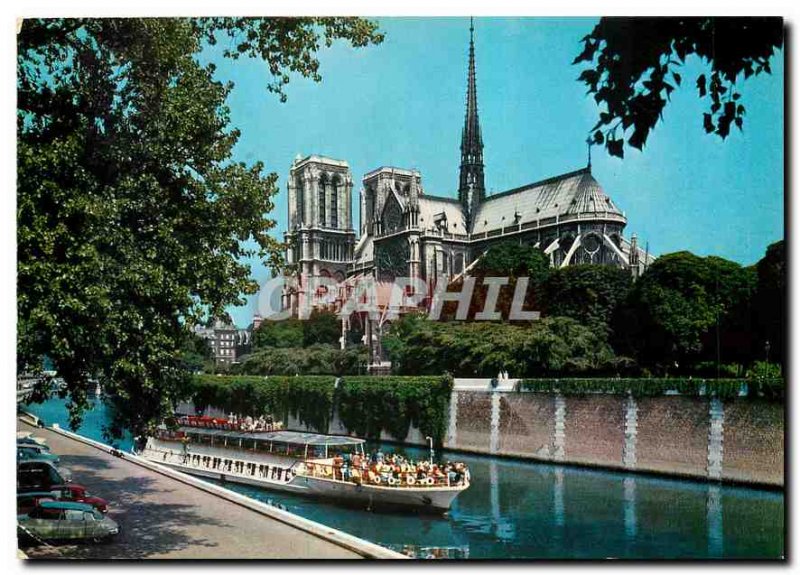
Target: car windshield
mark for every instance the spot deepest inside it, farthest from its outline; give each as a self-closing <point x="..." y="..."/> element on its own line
<point x="97" y="515"/>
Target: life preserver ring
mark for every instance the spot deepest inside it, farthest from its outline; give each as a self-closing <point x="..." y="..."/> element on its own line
<point x="411" y="480"/>
<point x="429" y="481"/>
<point x="377" y="479"/>
<point x="392" y="481"/>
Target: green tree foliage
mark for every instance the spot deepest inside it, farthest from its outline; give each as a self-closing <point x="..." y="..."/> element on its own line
<point x="680" y="306"/>
<point x="770" y="304"/>
<point x="587" y="293"/>
<point x="280" y="334"/>
<point x="313" y="360"/>
<point x="514" y="260"/>
<point x="196" y="353"/>
<point x="510" y="260"/>
<point x="635" y="66"/>
<point x="554" y="345"/>
<point x="133" y="220"/>
<point x="321" y="327"/>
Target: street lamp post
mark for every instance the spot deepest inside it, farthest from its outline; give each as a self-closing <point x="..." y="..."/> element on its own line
<point x="766" y="358"/>
<point x="430" y="445"/>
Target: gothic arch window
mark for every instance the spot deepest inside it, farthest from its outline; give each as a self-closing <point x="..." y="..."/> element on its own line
<point x="323" y="183"/>
<point x="301" y="192"/>
<point x="335" y="202"/>
<point x="592" y="243"/>
<point x="392" y="216"/>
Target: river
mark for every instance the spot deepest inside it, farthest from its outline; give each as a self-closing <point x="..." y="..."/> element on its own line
<point x="525" y="510"/>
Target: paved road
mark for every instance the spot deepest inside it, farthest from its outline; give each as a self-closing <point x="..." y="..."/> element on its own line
<point x="161" y="518"/>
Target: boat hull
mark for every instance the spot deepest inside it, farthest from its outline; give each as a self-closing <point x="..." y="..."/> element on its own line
<point x="426" y="499"/>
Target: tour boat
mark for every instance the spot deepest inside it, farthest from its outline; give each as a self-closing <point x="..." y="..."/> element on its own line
<point x="294" y="462"/>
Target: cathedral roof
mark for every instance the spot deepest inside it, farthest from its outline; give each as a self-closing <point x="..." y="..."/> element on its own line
<point x="433" y="208"/>
<point x="568" y="195"/>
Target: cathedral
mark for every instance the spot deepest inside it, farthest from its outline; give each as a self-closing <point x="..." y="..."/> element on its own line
<point x="406" y="232"/>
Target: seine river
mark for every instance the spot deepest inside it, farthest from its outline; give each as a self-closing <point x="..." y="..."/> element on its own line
<point x="520" y="510"/>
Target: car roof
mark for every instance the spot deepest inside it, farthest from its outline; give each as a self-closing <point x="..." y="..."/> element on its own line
<point x="35" y="494"/>
<point x="44" y="457"/>
<point x="36" y="459"/>
<point x="66" y="505"/>
<point x="68" y="486"/>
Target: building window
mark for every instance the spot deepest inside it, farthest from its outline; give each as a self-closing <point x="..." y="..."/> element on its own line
<point x="321" y="200"/>
<point x="335" y="204"/>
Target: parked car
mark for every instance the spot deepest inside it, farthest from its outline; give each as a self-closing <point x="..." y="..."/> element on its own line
<point x="40" y="475"/>
<point x="75" y="492"/>
<point x="31" y="440"/>
<point x="67" y="520"/>
<point x="26" y="502"/>
<point x="35" y="452"/>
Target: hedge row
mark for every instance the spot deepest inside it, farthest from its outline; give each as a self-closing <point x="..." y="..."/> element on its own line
<point x="770" y="388"/>
<point x="366" y="405"/>
<point x="308" y="398"/>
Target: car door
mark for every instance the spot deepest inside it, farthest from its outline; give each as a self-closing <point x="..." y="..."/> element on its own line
<point x="92" y="525"/>
<point x="73" y="525"/>
<point x="46" y="523"/>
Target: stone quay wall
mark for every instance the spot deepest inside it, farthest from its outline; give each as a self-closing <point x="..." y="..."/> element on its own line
<point x="738" y="440"/>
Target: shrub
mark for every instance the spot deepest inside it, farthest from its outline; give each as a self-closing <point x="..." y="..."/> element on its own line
<point x="314" y="360"/>
<point x="307" y="398"/>
<point x="770" y="388"/>
<point x="367" y="405"/>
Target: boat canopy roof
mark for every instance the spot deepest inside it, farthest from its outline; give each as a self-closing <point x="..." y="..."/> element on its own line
<point x="293" y="437"/>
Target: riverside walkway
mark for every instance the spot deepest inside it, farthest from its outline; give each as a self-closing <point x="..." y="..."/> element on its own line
<point x="163" y="518"/>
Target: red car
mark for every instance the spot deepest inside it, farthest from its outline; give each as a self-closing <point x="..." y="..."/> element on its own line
<point x="27" y="502"/>
<point x="73" y="492"/>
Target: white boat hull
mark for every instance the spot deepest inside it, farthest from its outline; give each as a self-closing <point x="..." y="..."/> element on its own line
<point x="431" y="499"/>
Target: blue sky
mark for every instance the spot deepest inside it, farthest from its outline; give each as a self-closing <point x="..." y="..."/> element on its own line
<point x="402" y="103"/>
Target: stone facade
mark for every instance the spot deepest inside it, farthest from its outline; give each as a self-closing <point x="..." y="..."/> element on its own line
<point x="320" y="239"/>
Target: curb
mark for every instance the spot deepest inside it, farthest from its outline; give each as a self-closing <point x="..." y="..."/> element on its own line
<point x="364" y="548"/>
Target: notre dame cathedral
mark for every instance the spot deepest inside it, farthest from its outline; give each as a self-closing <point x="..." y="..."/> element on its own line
<point x="406" y="232"/>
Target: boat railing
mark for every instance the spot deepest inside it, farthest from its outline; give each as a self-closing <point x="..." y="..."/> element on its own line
<point x="227" y="425"/>
<point x="346" y="474"/>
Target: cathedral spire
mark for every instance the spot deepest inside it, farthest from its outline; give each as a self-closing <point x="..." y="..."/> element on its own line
<point x="471" y="189"/>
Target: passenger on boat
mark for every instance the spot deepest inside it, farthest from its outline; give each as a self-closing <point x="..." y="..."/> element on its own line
<point x="338" y="461"/>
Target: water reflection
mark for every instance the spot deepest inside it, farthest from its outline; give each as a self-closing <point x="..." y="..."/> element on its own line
<point x="629" y="506"/>
<point x="714" y="521"/>
<point x="518" y="509"/>
<point x="558" y="497"/>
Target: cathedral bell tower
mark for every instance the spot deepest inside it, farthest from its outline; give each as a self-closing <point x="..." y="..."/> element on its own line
<point x="471" y="189"/>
